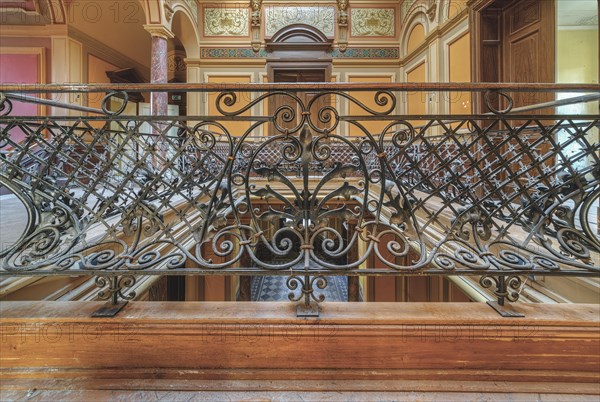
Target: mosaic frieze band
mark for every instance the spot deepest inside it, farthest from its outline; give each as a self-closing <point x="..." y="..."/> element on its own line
<point x="367" y="53"/>
<point x="350" y="53"/>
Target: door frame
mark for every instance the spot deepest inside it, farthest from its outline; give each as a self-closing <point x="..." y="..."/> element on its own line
<point x="273" y="67"/>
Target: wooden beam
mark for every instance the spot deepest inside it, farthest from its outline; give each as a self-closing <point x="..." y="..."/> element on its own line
<point x="429" y="340"/>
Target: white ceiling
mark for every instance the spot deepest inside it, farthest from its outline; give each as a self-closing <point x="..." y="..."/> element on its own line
<point x="577" y="12"/>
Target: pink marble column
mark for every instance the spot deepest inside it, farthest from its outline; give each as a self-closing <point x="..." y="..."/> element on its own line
<point x="159" y="101"/>
<point x="159" y="75"/>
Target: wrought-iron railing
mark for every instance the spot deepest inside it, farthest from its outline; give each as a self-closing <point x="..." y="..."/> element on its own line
<point x="303" y="188"/>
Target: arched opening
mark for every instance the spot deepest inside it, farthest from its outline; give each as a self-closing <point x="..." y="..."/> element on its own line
<point x="298" y="53"/>
<point x="185" y="45"/>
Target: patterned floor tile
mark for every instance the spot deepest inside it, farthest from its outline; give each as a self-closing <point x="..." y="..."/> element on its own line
<point x="274" y="288"/>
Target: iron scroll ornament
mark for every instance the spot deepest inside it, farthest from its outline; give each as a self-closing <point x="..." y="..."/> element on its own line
<point x="383" y="188"/>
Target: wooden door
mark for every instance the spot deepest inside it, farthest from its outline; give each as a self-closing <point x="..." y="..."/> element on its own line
<point x="513" y="41"/>
<point x="529" y="57"/>
<point x="529" y="47"/>
<point x="297" y="76"/>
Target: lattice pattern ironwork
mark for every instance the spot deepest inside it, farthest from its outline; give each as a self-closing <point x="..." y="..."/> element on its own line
<point x="494" y="194"/>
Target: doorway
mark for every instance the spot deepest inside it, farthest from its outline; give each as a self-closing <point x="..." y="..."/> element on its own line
<point x="513" y="41"/>
<point x="311" y="73"/>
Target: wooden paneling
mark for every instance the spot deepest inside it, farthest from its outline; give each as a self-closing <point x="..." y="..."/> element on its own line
<point x="514" y="41"/>
<point x="529" y="47"/>
<point x="213" y="288"/>
<point x="529" y="56"/>
<point x="383" y="289"/>
<point x="293" y="75"/>
<point x="523" y="14"/>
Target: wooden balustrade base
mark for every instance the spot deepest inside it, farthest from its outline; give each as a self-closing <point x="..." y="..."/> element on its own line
<point x="264" y="347"/>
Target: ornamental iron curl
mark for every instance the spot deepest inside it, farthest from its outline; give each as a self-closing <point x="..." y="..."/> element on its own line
<point x="303" y="187"/>
<point x="115" y="287"/>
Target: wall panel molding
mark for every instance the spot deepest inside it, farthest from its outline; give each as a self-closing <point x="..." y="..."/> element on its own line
<point x="107" y="53"/>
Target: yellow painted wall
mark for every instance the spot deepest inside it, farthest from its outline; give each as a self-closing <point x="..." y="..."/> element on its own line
<point x="459" y="61"/>
<point x="97" y="69"/>
<point x="417" y="100"/>
<point x="577" y="56"/>
<point x="577" y="62"/>
<point x="368" y="99"/>
<point x="415" y="38"/>
<point x="235" y="128"/>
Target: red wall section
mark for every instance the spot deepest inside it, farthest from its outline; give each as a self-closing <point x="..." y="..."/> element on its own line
<point x="20" y="69"/>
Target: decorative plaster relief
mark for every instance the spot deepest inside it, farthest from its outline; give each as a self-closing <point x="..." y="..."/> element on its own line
<point x="194" y="8"/>
<point x="226" y="21"/>
<point x="372" y="22"/>
<point x="320" y="17"/>
<point x="406" y="7"/>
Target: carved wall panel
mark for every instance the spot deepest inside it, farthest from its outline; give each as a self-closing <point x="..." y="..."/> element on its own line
<point x="320" y="17"/>
<point x="226" y="21"/>
<point x="372" y="22"/>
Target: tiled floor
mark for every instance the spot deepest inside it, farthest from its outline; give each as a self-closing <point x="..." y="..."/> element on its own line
<point x="274" y="288"/>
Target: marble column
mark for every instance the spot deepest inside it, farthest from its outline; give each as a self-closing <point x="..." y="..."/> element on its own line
<point x="159" y="73"/>
<point x="159" y="101"/>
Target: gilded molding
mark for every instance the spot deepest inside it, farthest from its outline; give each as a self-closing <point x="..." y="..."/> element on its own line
<point x="372" y="22"/>
<point x="320" y="17"/>
<point x="226" y="21"/>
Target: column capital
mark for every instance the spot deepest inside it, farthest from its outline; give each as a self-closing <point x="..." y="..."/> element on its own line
<point x="192" y="62"/>
<point x="159" y="30"/>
